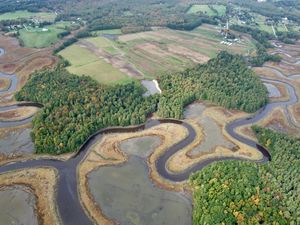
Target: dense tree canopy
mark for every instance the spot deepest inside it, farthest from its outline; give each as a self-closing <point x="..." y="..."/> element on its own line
<point x="225" y="80"/>
<point x="246" y="193"/>
<point x="75" y="107"/>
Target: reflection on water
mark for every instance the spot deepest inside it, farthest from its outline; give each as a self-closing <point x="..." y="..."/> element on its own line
<point x="17" y="207"/>
<point x="272" y="90"/>
<point x="127" y="195"/>
<point x="151" y="87"/>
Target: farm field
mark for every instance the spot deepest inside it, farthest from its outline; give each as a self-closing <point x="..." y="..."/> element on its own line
<point x="260" y="22"/>
<point x="154" y="53"/>
<point x="84" y="62"/>
<point x="210" y="10"/>
<point x="39" y="38"/>
<point x="43" y="37"/>
<point x="44" y="16"/>
<point x="268" y="28"/>
<point x="112" y="31"/>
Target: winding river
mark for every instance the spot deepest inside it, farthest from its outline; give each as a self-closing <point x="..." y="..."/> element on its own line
<point x="67" y="191"/>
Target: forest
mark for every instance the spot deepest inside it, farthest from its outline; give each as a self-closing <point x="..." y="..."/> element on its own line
<point x="275" y="9"/>
<point x="111" y="14"/>
<point x="75" y="107"/>
<point x="225" y="80"/>
<point x="237" y="192"/>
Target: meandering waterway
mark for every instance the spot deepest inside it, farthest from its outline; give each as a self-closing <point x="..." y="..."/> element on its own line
<point x="67" y="190"/>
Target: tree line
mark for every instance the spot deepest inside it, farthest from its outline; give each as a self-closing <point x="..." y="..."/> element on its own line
<point x="262" y="38"/>
<point x="238" y="192"/>
<point x="225" y="80"/>
<point x="75" y="107"/>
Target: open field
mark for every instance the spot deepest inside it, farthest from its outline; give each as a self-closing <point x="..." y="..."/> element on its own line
<point x="260" y="22"/>
<point x="44" y="16"/>
<point x="151" y="54"/>
<point x="210" y="10"/>
<point x="112" y="31"/>
<point x="84" y="62"/>
<point x="40" y="37"/>
<point x="161" y="51"/>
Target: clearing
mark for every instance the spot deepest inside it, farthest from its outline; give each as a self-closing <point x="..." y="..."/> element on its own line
<point x="151" y="54"/>
<point x="44" y="16"/>
<point x="210" y="10"/>
<point x="44" y="37"/>
<point x="85" y="62"/>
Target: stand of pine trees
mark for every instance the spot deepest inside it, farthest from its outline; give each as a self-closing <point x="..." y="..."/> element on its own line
<point x="225" y="80"/>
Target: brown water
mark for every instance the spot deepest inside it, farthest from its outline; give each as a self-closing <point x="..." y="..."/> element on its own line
<point x="17" y="207"/>
<point x="141" y="146"/>
<point x="212" y="137"/>
<point x="194" y="110"/>
<point x="130" y="198"/>
<point x="212" y="132"/>
<point x="17" y="141"/>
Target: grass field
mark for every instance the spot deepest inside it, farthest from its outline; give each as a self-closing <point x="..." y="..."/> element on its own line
<point x="105" y="44"/>
<point x="44" y="16"/>
<point x="66" y="25"/>
<point x="210" y="10"/>
<point x="158" y="52"/>
<point x="39" y="38"/>
<point x="112" y="31"/>
<point x="84" y="62"/>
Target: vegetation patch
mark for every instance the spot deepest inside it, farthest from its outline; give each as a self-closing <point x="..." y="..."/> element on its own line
<point x="209" y="10"/>
<point x="156" y="52"/>
<point x="40" y="37"/>
<point x="23" y="14"/>
<point x="111" y="31"/>
<point x="84" y="62"/>
<point x="225" y="80"/>
<point x="247" y="193"/>
<point x="75" y="107"/>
